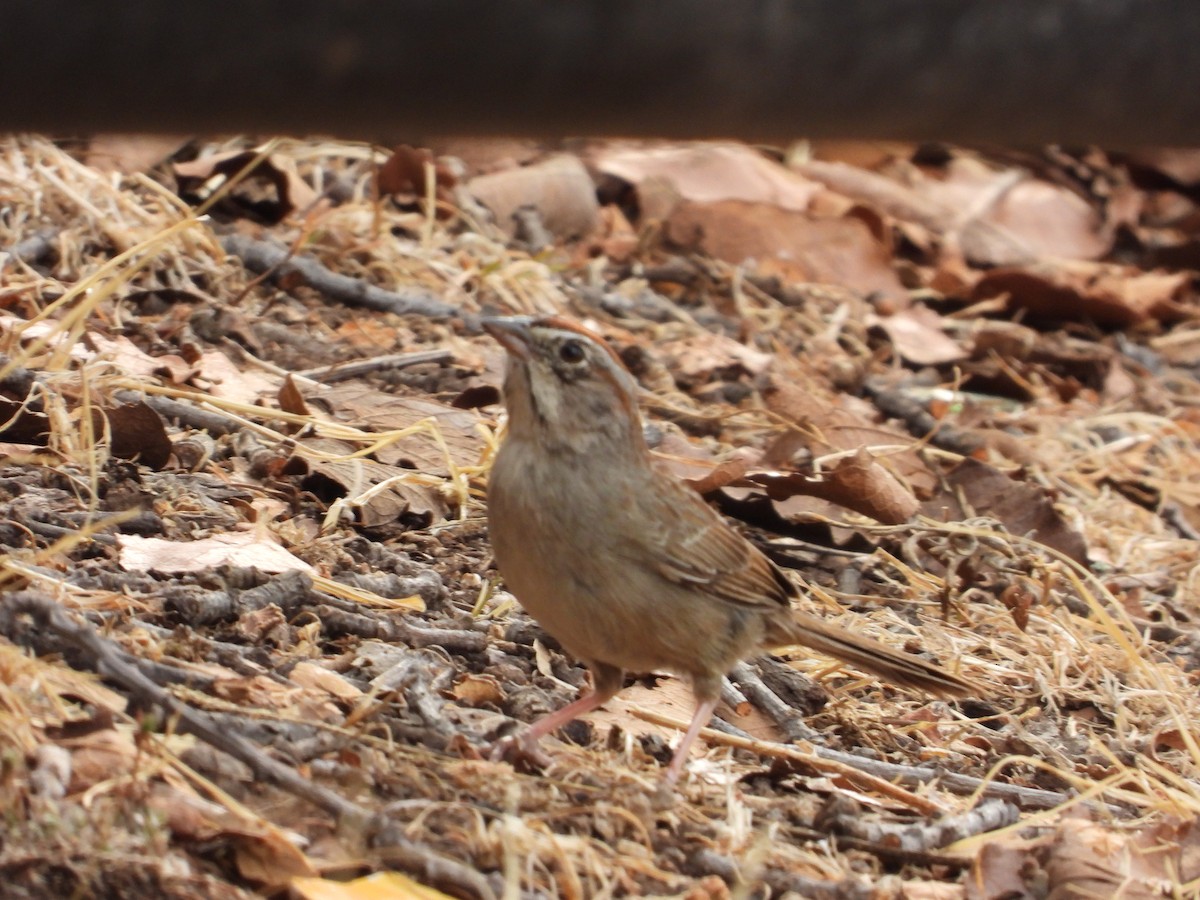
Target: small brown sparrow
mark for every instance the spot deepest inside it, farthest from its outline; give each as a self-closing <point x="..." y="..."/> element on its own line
<point x="628" y="568"/>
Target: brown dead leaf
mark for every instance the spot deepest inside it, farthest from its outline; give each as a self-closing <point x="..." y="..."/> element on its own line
<point x="20" y="425"/>
<point x="269" y="858"/>
<point x="100" y="756"/>
<point x="404" y="173"/>
<point x="125" y="355"/>
<point x="998" y="869"/>
<point x="222" y="377"/>
<point x="697" y="358"/>
<point x="241" y="549"/>
<point x="917" y="335"/>
<point x="208" y="173"/>
<point x="706" y="173"/>
<point x="1107" y="294"/>
<point x="477" y="690"/>
<point x="1024" y="508"/>
<point x="878" y="192"/>
<point x="290" y="399"/>
<point x="788" y="245"/>
<point x="558" y="188"/>
<point x="310" y="675"/>
<point x="998" y="217"/>
<point x="1040" y="221"/>
<point x="856" y="482"/>
<point x="1089" y="859"/>
<point x="190" y="818"/>
<point x="137" y="432"/>
<point x="356" y="478"/>
<point x="616" y="239"/>
<point x="420" y="452"/>
<point x="823" y="427"/>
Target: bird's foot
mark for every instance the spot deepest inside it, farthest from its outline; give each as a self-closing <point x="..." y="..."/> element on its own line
<point x="519" y="750"/>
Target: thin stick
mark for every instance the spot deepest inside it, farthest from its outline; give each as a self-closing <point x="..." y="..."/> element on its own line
<point x="922" y="805"/>
<point x="880" y="772"/>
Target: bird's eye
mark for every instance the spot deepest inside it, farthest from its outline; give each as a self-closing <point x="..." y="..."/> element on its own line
<point x="571" y="352"/>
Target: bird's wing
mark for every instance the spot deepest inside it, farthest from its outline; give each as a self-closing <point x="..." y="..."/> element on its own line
<point x="696" y="547"/>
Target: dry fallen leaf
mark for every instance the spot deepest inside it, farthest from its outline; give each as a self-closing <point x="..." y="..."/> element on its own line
<point x="360" y="481"/>
<point x="789" y="245"/>
<point x="917" y="335"/>
<point x="855" y="482"/>
<point x="705" y="173"/>
<point x="292" y="192"/>
<point x="697" y="358"/>
<point x="420" y="451"/>
<point x="1104" y="293"/>
<point x="241" y="549"/>
<point x="559" y="189"/>
<point x="477" y="690"/>
<point x="1024" y="508"/>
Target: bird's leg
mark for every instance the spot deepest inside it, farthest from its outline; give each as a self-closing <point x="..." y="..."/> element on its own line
<point x="704" y="711"/>
<point x="606" y="682"/>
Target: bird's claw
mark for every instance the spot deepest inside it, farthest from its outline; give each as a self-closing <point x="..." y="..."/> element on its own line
<point x="520" y="751"/>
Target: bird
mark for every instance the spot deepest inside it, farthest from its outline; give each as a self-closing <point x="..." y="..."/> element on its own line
<point x="624" y="565"/>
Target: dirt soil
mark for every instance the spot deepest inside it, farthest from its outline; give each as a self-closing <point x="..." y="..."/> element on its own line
<point x="252" y="641"/>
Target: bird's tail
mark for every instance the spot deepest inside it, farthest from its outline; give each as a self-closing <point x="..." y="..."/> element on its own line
<point x="895" y="666"/>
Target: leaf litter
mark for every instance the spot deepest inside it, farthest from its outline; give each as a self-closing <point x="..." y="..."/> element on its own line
<point x="953" y="394"/>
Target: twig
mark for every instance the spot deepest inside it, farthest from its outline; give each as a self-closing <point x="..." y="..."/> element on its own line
<point x="873" y="773"/>
<point x="866" y="780"/>
<point x="898" y="404"/>
<point x="189" y="414"/>
<point x="921" y="837"/>
<point x="276" y="260"/>
<point x="346" y="370"/>
<point x="790" y="722"/>
<point x="456" y="640"/>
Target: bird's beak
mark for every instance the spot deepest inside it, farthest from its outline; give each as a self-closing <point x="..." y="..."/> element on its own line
<point x="512" y="332"/>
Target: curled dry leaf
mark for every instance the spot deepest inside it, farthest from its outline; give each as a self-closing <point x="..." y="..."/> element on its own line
<point x="997" y="217"/>
<point x="477" y="690"/>
<point x="360" y="480"/>
<point x="856" y="482"/>
<point x="405" y="173"/>
<point x="136" y="432"/>
<point x="823" y="427"/>
<point x="1088" y="859"/>
<point x="1107" y="294"/>
<point x="310" y="675"/>
<point x="291" y="191"/>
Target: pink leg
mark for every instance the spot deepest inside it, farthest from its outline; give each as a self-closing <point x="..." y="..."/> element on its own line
<point x="560" y="717"/>
<point x="606" y="680"/>
<point x="704" y="711"/>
